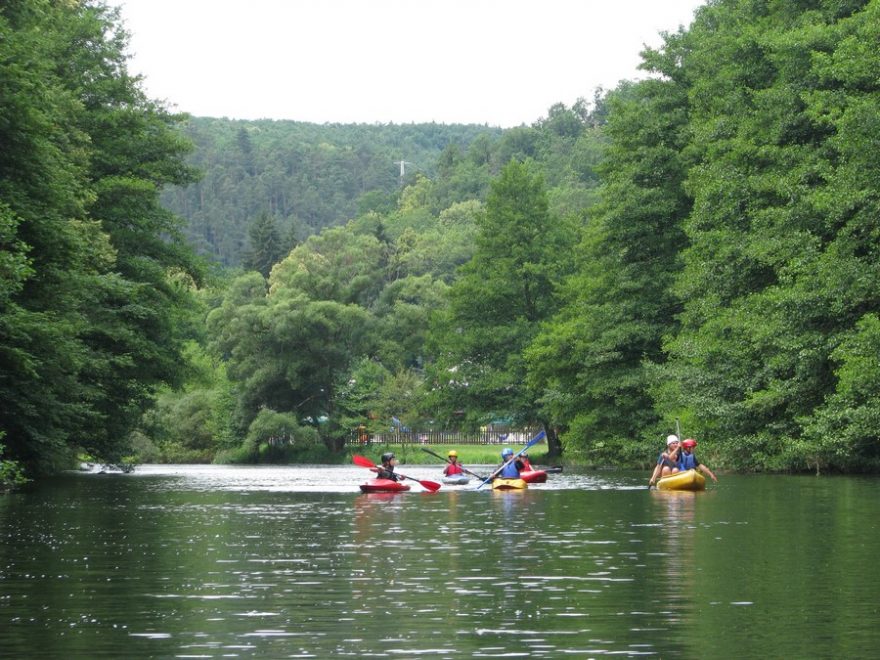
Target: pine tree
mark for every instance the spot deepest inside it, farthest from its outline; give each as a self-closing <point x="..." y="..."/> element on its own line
<point x="265" y="245"/>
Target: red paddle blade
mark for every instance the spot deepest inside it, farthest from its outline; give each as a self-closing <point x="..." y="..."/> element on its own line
<point x="363" y="461"/>
<point x="433" y="486"/>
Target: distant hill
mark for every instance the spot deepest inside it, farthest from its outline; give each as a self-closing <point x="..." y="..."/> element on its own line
<point x="307" y="176"/>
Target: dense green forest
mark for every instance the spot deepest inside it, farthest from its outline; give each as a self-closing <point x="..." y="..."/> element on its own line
<point x="699" y="246"/>
<point x="304" y="177"/>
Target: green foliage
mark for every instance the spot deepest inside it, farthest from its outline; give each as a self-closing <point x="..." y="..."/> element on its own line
<point x="729" y="273"/>
<point x="773" y="279"/>
<point x="289" y="349"/>
<point x="11" y="472"/>
<point x="266" y="248"/>
<point x="403" y="312"/>
<point x="271" y="429"/>
<point x="307" y="176"/>
<point x="843" y="432"/>
<point x="90" y="316"/>
<point x="498" y="300"/>
<point x="701" y="245"/>
<point x="189" y="424"/>
<point x="591" y="360"/>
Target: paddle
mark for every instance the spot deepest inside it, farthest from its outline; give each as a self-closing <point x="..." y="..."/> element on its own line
<point x="463" y="468"/>
<point x="531" y="443"/>
<point x="363" y="461"/>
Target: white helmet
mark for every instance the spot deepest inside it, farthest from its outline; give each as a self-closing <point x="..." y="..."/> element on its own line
<point x="670" y="439"/>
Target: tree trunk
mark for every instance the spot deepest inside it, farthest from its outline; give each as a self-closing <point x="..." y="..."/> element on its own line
<point x="554" y="447"/>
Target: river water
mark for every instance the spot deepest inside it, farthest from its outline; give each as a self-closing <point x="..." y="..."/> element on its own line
<point x="294" y="562"/>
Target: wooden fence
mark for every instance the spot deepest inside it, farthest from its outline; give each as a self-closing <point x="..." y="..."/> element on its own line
<point x="397" y="437"/>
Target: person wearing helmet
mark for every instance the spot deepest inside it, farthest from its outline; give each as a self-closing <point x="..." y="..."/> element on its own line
<point x="386" y="471"/>
<point x="667" y="462"/>
<point x="453" y="467"/>
<point x="527" y="464"/>
<point x="687" y="460"/>
<point x="511" y="467"/>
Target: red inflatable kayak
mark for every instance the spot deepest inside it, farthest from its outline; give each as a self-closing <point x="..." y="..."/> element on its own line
<point x="533" y="476"/>
<point x="384" y="486"/>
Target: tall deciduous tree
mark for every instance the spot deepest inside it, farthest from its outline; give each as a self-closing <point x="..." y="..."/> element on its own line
<point x="590" y="360"/>
<point x="292" y="348"/>
<point x="90" y="326"/>
<point x="498" y="301"/>
<point x="781" y="272"/>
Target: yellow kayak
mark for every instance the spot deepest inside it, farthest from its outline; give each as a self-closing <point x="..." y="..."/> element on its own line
<point x="687" y="480"/>
<point x="509" y="484"/>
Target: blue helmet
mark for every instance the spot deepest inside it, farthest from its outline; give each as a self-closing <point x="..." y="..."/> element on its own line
<point x="507" y="451"/>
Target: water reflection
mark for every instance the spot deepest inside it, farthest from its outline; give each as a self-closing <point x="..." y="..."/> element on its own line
<point x="270" y="563"/>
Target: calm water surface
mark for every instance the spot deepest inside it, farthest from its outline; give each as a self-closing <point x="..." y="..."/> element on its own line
<point x="211" y="561"/>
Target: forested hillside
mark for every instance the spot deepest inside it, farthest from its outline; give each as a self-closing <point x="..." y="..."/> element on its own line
<point x="304" y="177"/>
<point x="699" y="246"/>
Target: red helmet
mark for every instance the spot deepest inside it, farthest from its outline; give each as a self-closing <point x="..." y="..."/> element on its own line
<point x="690" y="443"/>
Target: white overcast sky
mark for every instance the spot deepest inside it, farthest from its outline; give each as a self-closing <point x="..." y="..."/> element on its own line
<point x="496" y="62"/>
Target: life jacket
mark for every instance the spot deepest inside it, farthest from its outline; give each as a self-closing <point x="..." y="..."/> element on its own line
<point x="453" y="468"/>
<point x="511" y="470"/>
<point x="687" y="461"/>
<point x="388" y="473"/>
<point x="665" y="461"/>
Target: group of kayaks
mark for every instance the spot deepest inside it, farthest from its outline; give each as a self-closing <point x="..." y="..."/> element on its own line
<point x="460" y="476"/>
<point x="688" y="480"/>
<point x="391" y="486"/>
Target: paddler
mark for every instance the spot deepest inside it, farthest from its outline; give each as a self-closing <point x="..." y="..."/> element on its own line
<point x="386" y="471"/>
<point x="510" y="469"/>
<point x="688" y="460"/>
<point x="667" y="462"/>
<point x="453" y="467"/>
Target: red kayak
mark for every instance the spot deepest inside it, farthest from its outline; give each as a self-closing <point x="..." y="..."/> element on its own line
<point x="533" y="476"/>
<point x="384" y="486"/>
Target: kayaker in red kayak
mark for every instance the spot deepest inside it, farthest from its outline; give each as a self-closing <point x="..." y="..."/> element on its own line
<point x="527" y="464"/>
<point x="453" y="467"/>
<point x="386" y="471"/>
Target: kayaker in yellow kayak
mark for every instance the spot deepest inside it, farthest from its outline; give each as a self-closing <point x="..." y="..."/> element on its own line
<point x="511" y="469"/>
<point x="688" y="460"/>
<point x="667" y="462"/>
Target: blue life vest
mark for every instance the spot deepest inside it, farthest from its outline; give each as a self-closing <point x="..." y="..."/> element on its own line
<point x="511" y="470"/>
<point x="687" y="461"/>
